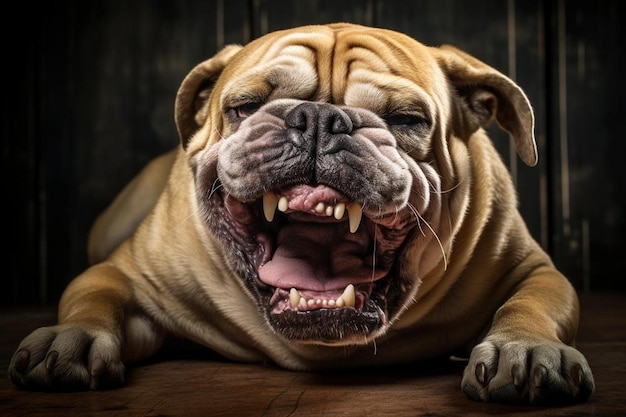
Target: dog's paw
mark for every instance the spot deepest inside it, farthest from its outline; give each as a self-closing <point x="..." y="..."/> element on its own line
<point x="523" y="372"/>
<point x="60" y="358"/>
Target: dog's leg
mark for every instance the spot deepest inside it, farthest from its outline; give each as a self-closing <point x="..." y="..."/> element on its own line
<point x="527" y="355"/>
<point x="86" y="350"/>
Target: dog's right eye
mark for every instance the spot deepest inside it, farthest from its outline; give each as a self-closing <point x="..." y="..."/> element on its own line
<point x="246" y="109"/>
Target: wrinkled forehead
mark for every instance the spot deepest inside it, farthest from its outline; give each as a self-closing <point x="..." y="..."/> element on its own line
<point x="372" y="68"/>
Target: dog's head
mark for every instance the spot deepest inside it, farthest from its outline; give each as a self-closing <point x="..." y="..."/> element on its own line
<point x="323" y="158"/>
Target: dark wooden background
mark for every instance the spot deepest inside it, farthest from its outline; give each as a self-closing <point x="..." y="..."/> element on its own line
<point x="88" y="92"/>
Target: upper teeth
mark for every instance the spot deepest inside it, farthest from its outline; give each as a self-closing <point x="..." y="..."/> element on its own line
<point x="347" y="299"/>
<point x="271" y="201"/>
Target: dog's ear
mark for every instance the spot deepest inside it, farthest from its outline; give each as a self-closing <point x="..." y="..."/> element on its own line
<point x="195" y="90"/>
<point x="487" y="94"/>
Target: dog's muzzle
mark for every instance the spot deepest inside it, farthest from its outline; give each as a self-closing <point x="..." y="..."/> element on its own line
<point x="311" y="201"/>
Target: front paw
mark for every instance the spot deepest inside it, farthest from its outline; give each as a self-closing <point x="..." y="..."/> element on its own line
<point x="62" y="358"/>
<point x="525" y="372"/>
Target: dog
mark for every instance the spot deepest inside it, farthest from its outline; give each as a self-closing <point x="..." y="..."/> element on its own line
<point x="334" y="202"/>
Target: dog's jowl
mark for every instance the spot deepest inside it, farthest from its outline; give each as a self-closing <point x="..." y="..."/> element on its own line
<point x="333" y="189"/>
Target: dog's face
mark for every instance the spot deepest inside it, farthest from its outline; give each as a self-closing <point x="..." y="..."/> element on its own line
<point x="330" y="164"/>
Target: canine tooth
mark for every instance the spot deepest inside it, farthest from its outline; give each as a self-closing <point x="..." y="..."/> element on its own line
<point x="283" y="204"/>
<point x="340" y="209"/>
<point x="329" y="211"/>
<point x="294" y="298"/>
<point x="349" y="296"/>
<point x="355" y="212"/>
<point x="320" y="208"/>
<point x="270" y="201"/>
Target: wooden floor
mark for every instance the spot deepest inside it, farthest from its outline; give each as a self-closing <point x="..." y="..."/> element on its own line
<point x="189" y="382"/>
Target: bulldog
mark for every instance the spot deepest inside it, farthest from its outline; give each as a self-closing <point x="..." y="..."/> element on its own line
<point x="334" y="203"/>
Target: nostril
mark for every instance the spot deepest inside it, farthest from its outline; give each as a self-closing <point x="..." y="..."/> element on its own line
<point x="341" y="123"/>
<point x="296" y="119"/>
<point x="303" y="117"/>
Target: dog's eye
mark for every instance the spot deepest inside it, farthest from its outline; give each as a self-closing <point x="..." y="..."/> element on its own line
<point x="247" y="109"/>
<point x="405" y="120"/>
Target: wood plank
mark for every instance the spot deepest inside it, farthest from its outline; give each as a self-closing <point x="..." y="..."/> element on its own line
<point x="189" y="381"/>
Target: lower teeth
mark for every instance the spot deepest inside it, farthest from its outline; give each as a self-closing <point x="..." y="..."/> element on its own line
<point x="347" y="299"/>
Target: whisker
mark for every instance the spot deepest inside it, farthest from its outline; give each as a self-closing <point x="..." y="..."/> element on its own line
<point x="374" y="254"/>
<point x="422" y="220"/>
<point x="215" y="130"/>
<point x="184" y="219"/>
<point x="215" y="186"/>
<point x="454" y="187"/>
<point x="416" y="215"/>
<point x="443" y="252"/>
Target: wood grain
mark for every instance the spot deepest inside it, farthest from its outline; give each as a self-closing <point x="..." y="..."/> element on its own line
<point x="186" y="380"/>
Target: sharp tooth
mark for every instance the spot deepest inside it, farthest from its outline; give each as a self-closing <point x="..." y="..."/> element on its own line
<point x="349" y="296"/>
<point x="294" y="298"/>
<point x="270" y="200"/>
<point x="320" y="208"/>
<point x="283" y="204"/>
<point x="340" y="209"/>
<point x="355" y="213"/>
<point x="302" y="304"/>
<point x="329" y="211"/>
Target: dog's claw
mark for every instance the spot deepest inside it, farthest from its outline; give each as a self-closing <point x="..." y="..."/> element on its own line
<point x="518" y="376"/>
<point x="539" y="375"/>
<point x="481" y="373"/>
<point x="22" y="358"/>
<point x="576" y="374"/>
<point x="97" y="367"/>
<point x="51" y="359"/>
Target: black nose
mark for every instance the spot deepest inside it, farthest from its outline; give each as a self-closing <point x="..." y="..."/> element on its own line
<point x="318" y="125"/>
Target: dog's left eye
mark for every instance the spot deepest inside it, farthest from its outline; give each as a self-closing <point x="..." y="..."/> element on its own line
<point x="404" y="120"/>
<point x="247" y="109"/>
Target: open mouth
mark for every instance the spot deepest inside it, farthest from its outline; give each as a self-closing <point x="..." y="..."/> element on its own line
<point x="319" y="264"/>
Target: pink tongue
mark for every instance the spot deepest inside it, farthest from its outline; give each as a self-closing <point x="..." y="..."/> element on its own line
<point x="316" y="254"/>
<point x="319" y="257"/>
